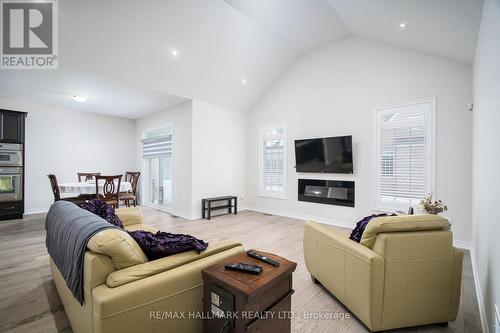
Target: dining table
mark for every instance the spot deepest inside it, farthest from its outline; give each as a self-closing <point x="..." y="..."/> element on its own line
<point x="88" y="187"/>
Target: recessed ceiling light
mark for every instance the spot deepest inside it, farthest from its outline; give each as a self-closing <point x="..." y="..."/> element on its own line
<point x="244" y="81"/>
<point x="80" y="99"/>
<point x="402" y="25"/>
<point x="174" y="53"/>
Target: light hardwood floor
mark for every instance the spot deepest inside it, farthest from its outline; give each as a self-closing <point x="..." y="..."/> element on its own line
<point x="29" y="300"/>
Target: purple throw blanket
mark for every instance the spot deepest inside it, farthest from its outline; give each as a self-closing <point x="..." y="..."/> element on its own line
<point x="155" y="246"/>
<point x="164" y="244"/>
<point x="357" y="232"/>
<point x="102" y="209"/>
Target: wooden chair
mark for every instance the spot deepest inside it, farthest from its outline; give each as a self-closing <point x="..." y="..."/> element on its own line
<point x="87" y="176"/>
<point x="133" y="178"/>
<point x="57" y="195"/>
<point x="130" y="174"/>
<point x="110" y="189"/>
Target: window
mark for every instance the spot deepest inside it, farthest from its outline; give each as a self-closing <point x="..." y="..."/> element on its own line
<point x="273" y="161"/>
<point x="157" y="153"/>
<point x="404" y="149"/>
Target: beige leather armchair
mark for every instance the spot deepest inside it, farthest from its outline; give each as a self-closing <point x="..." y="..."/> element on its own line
<point x="124" y="292"/>
<point x="405" y="272"/>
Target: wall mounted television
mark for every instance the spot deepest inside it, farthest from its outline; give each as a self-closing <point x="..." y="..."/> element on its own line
<point x="324" y="155"/>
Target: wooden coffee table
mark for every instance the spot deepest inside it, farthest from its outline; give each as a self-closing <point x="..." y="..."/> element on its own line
<point x="261" y="303"/>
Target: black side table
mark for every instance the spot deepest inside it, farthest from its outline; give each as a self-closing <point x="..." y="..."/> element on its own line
<point x="231" y="202"/>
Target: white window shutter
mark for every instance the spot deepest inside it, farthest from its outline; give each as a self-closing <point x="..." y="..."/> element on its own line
<point x="404" y="155"/>
<point x="273" y="161"/>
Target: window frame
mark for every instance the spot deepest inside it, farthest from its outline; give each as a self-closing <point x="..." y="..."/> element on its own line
<point x="376" y="202"/>
<point x="262" y="138"/>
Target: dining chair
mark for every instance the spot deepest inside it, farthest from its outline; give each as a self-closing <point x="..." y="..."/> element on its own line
<point x="130" y="174"/>
<point x="87" y="176"/>
<point x="57" y="195"/>
<point x="110" y="189"/>
<point x="133" y="178"/>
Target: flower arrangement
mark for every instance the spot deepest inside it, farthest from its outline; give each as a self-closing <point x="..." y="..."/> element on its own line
<point x="435" y="207"/>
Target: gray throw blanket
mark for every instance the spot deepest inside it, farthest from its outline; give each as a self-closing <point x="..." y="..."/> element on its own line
<point x="69" y="229"/>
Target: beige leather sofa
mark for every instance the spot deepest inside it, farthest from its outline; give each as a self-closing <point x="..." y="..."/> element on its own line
<point x="126" y="293"/>
<point x="405" y="272"/>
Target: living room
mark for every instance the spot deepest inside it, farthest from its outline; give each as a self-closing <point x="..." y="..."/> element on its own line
<point x="292" y="128"/>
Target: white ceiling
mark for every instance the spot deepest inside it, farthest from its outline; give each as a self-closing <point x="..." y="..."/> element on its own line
<point x="117" y="51"/>
<point x="446" y="28"/>
<point x="302" y="25"/>
<point x="131" y="40"/>
<point x="106" y="96"/>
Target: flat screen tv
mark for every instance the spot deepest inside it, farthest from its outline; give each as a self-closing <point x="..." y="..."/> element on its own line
<point x="324" y="155"/>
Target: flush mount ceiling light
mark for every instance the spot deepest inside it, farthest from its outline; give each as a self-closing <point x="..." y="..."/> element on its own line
<point x="80" y="99"/>
<point x="174" y="53"/>
<point x="244" y="81"/>
<point x="402" y="25"/>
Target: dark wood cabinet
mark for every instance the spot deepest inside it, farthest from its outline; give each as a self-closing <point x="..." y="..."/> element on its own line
<point x="12" y="126"/>
<point x="12" y="163"/>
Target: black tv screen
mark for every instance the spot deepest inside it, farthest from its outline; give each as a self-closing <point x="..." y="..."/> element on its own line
<point x="324" y="155"/>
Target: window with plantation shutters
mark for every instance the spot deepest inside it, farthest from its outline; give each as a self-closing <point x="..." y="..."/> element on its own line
<point x="404" y="149"/>
<point x="273" y="161"/>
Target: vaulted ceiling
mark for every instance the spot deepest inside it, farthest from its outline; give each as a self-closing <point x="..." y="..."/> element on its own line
<point x="226" y="52"/>
<point x="446" y="28"/>
<point x="300" y="25"/>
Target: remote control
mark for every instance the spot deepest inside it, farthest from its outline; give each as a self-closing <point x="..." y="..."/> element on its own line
<point x="245" y="268"/>
<point x="265" y="259"/>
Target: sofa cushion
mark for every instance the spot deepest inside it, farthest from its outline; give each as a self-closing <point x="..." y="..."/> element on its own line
<point x="130" y="215"/>
<point x="119" y="246"/>
<point x="138" y="272"/>
<point x="401" y="223"/>
<point x="145" y="227"/>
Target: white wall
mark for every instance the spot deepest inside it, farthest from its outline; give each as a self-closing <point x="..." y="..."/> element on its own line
<point x="180" y="117"/>
<point x="486" y="157"/>
<point x="334" y="90"/>
<point x="219" y="156"/>
<point x="64" y="142"/>
<point x="208" y="153"/>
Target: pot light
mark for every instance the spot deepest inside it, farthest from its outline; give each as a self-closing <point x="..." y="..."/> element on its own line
<point x="244" y="81"/>
<point x="402" y="25"/>
<point x="80" y="99"/>
<point x="174" y="53"/>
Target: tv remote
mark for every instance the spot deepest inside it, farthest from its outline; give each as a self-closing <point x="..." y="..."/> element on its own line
<point x="265" y="259"/>
<point x="245" y="268"/>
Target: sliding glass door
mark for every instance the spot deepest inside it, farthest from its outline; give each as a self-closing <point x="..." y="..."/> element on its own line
<point x="157" y="154"/>
<point x="160" y="181"/>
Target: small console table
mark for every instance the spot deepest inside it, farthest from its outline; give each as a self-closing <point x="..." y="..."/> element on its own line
<point x="207" y="208"/>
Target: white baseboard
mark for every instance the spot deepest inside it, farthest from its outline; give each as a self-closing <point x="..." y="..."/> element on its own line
<point x="497" y="319"/>
<point x="179" y="213"/>
<point x="174" y="212"/>
<point x="462" y="244"/>
<point x="197" y="216"/>
<point x="36" y="211"/>
<point x="479" y="293"/>
<point x="306" y="217"/>
<point x="334" y="221"/>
